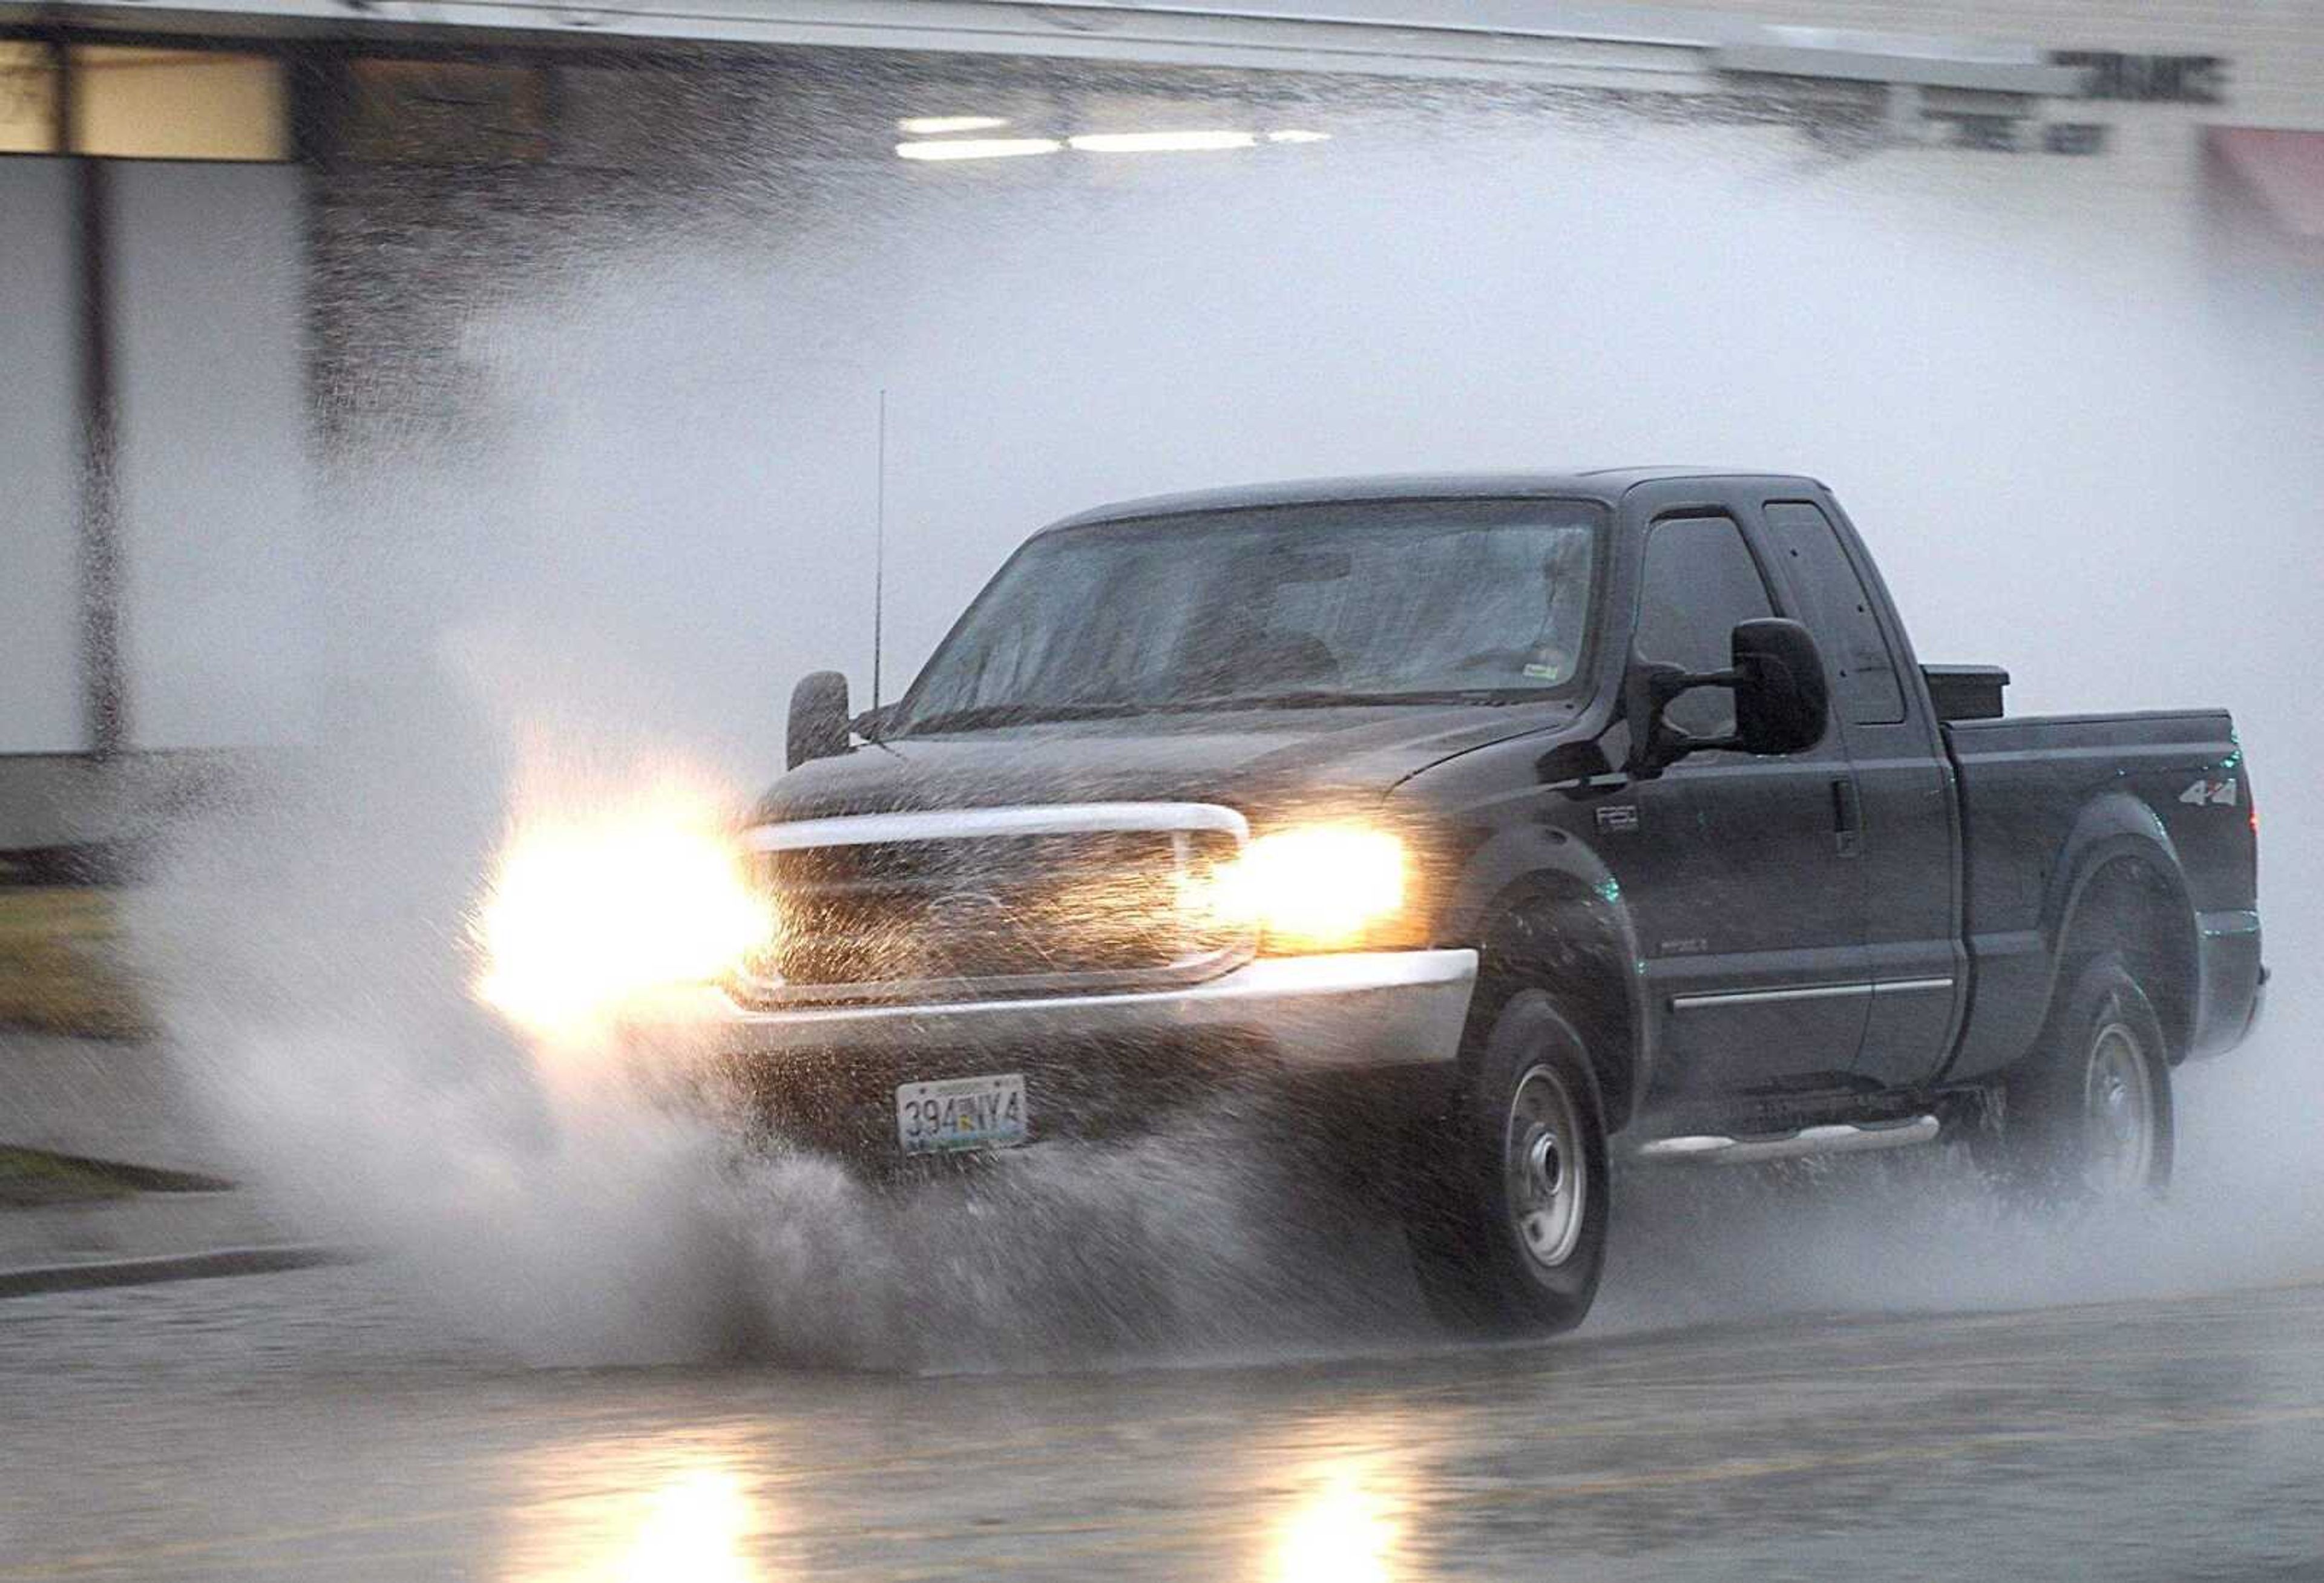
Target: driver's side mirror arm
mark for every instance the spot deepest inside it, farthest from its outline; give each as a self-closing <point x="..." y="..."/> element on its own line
<point x="1655" y="744"/>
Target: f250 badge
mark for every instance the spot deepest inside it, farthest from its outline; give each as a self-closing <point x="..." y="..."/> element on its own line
<point x="1614" y="818"/>
<point x="2219" y="792"/>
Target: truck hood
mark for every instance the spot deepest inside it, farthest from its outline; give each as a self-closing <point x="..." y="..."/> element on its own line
<point x="1259" y="762"/>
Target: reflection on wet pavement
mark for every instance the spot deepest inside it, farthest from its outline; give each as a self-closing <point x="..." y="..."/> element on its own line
<point x="1349" y="1529"/>
<point x="678" y="1505"/>
<point x="302" y="1425"/>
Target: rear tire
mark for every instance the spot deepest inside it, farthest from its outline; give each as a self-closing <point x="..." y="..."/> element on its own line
<point x="2087" y="1119"/>
<point x="1509" y="1227"/>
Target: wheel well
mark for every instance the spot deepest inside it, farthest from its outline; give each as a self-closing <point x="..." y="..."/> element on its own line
<point x="2129" y="908"/>
<point x="1560" y="935"/>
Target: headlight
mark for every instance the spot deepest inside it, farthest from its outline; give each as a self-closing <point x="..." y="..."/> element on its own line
<point x="580" y="916"/>
<point x="1316" y="888"/>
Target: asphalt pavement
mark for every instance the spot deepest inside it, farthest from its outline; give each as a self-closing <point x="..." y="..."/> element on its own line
<point x="320" y="1424"/>
<point x="1870" y="1372"/>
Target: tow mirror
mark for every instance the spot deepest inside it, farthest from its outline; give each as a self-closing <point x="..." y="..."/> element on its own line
<point x="819" y="721"/>
<point x="1781" y="702"/>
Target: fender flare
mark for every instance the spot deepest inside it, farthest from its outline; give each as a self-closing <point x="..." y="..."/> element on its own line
<point x="1530" y="866"/>
<point x="2112" y="831"/>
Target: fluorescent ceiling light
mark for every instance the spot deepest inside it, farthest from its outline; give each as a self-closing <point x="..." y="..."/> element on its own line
<point x="938" y="125"/>
<point x="1298" y="137"/>
<point x="978" y="148"/>
<point x="1160" y="142"/>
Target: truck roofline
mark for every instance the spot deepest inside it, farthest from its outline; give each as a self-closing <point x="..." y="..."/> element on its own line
<point x="1604" y="484"/>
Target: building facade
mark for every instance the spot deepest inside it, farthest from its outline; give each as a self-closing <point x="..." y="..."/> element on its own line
<point x="240" y="239"/>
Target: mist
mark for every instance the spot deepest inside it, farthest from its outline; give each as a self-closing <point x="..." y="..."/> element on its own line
<point x="2078" y="449"/>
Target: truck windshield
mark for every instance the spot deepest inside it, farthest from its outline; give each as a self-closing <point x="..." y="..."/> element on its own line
<point x="1359" y="602"/>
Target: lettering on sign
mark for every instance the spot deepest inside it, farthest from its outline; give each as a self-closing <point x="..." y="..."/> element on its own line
<point x="2017" y="134"/>
<point x="2148" y="79"/>
<point x="2074" y="137"/>
<point x="2106" y="74"/>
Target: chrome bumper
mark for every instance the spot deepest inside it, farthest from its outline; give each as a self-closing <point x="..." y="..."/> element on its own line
<point x="1355" y="1009"/>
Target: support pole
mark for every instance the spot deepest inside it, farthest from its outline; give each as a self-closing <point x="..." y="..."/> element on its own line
<point x="880" y="549"/>
<point x="104" y="691"/>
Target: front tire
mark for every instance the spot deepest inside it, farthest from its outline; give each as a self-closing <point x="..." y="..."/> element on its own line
<point x="1508" y="1228"/>
<point x="2087" y="1118"/>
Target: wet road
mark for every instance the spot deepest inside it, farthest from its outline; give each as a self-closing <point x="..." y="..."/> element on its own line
<point x="308" y="1425"/>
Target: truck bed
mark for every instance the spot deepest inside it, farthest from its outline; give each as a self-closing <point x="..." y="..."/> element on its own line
<point x="2045" y="798"/>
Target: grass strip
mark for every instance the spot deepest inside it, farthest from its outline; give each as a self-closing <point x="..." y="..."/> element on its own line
<point x="61" y="970"/>
<point x="30" y="1178"/>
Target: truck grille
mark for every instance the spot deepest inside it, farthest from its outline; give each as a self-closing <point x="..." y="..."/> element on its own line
<point x="988" y="902"/>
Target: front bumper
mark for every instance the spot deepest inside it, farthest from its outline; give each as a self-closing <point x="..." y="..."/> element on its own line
<point x="1097" y="1064"/>
<point x="1357" y="1008"/>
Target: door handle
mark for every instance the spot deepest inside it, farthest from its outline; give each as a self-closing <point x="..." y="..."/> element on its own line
<point x="1847" y="817"/>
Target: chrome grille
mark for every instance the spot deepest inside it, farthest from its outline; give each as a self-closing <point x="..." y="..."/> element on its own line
<point x="989" y="902"/>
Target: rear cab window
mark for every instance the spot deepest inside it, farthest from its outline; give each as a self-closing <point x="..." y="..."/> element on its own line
<point x="1839" y="609"/>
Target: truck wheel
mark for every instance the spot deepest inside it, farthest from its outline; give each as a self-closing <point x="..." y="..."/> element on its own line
<point x="1509" y="1226"/>
<point x="2087" y="1118"/>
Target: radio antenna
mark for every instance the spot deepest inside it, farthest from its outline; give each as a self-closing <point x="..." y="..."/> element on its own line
<point x="879" y="546"/>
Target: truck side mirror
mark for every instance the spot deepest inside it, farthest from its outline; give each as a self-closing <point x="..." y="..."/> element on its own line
<point x="1781" y="702"/>
<point x="818" y="723"/>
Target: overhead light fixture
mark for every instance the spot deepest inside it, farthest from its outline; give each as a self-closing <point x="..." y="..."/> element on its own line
<point x="941" y="126"/>
<point x="1160" y="142"/>
<point x="978" y="148"/>
<point x="1298" y="137"/>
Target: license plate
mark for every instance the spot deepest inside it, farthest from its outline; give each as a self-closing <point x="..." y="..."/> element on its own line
<point x="960" y="1114"/>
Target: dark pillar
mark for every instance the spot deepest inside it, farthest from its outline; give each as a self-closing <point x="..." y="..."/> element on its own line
<point x="104" y="703"/>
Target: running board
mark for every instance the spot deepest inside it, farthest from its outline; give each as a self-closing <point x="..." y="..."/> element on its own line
<point x="1845" y="1138"/>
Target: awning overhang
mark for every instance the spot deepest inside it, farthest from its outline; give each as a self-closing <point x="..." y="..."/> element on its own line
<point x="2279" y="172"/>
<point x="1568" y="43"/>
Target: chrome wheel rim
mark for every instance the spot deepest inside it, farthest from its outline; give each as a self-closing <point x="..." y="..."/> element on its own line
<point x="1548" y="1171"/>
<point x="2118" y="1114"/>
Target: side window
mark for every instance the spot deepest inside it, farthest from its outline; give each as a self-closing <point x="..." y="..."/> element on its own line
<point x="1700" y="581"/>
<point x="1837" y="607"/>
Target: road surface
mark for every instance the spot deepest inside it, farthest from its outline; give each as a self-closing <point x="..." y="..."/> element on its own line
<point x="316" y="1424"/>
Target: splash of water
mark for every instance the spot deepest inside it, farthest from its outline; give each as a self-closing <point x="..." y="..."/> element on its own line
<point x="668" y="528"/>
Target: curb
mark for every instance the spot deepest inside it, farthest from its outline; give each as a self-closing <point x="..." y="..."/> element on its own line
<point x="94" y="1274"/>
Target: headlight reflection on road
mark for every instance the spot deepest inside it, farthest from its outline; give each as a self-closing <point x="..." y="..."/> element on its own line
<point x="693" y="1528"/>
<point x="1347" y="1528"/>
<point x="670" y="1515"/>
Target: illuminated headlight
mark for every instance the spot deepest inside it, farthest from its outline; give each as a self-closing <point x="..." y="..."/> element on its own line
<point x="1314" y="887"/>
<point x="581" y="917"/>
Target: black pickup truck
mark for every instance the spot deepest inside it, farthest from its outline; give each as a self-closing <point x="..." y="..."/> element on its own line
<point x="1515" y="824"/>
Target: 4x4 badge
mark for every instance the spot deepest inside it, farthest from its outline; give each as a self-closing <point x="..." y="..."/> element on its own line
<point x="1615" y="817"/>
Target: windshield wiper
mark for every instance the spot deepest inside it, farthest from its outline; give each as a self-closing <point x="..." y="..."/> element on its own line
<point x="985" y="716"/>
<point x="1324" y="698"/>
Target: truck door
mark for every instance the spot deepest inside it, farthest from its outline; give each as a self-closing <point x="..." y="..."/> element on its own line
<point x="1755" y="917"/>
<point x="1909" y="812"/>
